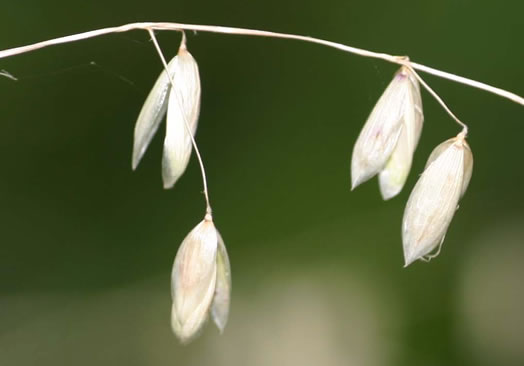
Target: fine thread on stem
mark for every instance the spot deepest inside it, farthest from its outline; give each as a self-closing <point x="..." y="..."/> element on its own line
<point x="254" y="32"/>
<point x="7" y="75"/>
<point x="188" y="129"/>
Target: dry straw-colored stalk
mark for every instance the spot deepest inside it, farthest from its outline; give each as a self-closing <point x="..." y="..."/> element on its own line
<point x="149" y="26"/>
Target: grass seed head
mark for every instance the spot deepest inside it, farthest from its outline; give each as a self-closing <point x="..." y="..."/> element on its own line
<point x="182" y="114"/>
<point x="151" y="114"/>
<point x="435" y="198"/>
<point x="220" y="306"/>
<point x="200" y="281"/>
<point x="390" y="135"/>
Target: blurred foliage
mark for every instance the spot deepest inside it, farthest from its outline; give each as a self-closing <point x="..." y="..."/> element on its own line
<point x="87" y="245"/>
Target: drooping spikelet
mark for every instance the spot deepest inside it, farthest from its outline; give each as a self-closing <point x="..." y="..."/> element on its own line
<point x="200" y="281"/>
<point x="151" y="114"/>
<point x="182" y="113"/>
<point x="221" y="301"/>
<point x="182" y="102"/>
<point x="388" y="139"/>
<point x="435" y="198"/>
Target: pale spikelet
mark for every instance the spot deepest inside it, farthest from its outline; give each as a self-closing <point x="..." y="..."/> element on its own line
<point x="395" y="173"/>
<point x="435" y="198"/>
<point x="183" y="107"/>
<point x="194" y="280"/>
<point x="220" y="307"/>
<point x="200" y="282"/>
<point x="389" y="136"/>
<point x="468" y="160"/>
<point x="151" y="114"/>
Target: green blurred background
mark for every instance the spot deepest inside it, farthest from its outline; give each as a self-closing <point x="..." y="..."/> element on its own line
<point x="88" y="245"/>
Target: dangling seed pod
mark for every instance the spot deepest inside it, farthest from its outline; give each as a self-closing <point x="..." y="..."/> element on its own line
<point x="151" y="114"/>
<point x="182" y="102"/>
<point x="200" y="281"/>
<point x="435" y="198"/>
<point x="388" y="139"/>
<point x="182" y="112"/>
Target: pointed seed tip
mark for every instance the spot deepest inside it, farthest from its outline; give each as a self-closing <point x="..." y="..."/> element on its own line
<point x="354" y="184"/>
<point x="219" y="326"/>
<point x="357" y="180"/>
<point x="408" y="259"/>
<point x="386" y="196"/>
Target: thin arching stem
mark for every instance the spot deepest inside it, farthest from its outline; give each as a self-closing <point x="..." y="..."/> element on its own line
<point x="440" y="101"/>
<point x="188" y="129"/>
<point x="253" y="32"/>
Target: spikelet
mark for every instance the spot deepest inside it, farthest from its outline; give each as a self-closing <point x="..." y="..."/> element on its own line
<point x="435" y="198"/>
<point x="390" y="135"/>
<point x="395" y="173"/>
<point x="151" y="114"/>
<point x="220" y="306"/>
<point x="182" y="103"/>
<point x="183" y="108"/>
<point x="200" y="281"/>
